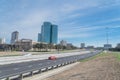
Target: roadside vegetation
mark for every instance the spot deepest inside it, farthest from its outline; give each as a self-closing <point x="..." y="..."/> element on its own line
<point x="103" y="66"/>
<point x="103" y="54"/>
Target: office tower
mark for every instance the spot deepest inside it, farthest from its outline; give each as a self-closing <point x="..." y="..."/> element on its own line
<point x="2" y="40"/>
<point x="46" y="32"/>
<point x="54" y="34"/>
<point x="49" y="33"/>
<point x="82" y="45"/>
<point x="39" y="37"/>
<point x="14" y="37"/>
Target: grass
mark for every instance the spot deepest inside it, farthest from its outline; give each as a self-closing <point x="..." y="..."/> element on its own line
<point x="93" y="57"/>
<point x="117" y="55"/>
<point x="103" y="54"/>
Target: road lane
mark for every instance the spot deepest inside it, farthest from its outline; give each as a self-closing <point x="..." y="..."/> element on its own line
<point x="19" y="68"/>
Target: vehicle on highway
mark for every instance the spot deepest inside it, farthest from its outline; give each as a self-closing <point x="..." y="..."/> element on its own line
<point x="52" y="58"/>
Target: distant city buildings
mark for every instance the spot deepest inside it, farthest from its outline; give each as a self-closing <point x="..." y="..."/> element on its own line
<point x="49" y="33"/>
<point x="82" y="45"/>
<point x="14" y="37"/>
<point x="39" y="37"/>
<point x="99" y="48"/>
<point x="63" y="43"/>
<point x="24" y="44"/>
<point x="69" y="44"/>
<point x="2" y="40"/>
<point x="107" y="46"/>
<point x="90" y="47"/>
<point x="118" y="45"/>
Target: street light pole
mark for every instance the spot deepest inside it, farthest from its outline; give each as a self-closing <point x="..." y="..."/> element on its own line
<point x="107" y="35"/>
<point x="107" y="40"/>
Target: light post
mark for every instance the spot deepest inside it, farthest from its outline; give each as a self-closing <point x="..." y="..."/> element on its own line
<point x="107" y="40"/>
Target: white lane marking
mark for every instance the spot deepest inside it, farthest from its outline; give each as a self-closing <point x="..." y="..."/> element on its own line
<point x="15" y="68"/>
<point x="0" y="71"/>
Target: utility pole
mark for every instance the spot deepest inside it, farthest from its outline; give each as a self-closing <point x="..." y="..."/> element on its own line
<point x="107" y="35"/>
<point x="107" y="40"/>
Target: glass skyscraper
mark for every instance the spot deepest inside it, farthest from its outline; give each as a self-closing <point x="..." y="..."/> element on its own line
<point x="54" y="34"/>
<point x="49" y="33"/>
<point x="39" y="37"/>
<point x="14" y="37"/>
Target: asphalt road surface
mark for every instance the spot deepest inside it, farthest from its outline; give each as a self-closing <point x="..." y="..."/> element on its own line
<point x="24" y="67"/>
<point x="28" y="57"/>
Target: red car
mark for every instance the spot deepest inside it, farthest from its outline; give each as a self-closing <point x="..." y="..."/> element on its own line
<point x="52" y="58"/>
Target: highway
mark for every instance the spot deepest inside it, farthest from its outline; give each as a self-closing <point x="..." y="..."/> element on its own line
<point x="20" y="70"/>
<point x="26" y="57"/>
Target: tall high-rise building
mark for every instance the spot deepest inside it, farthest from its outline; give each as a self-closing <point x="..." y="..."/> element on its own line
<point x="14" y="37"/>
<point x="82" y="45"/>
<point x="49" y="33"/>
<point x="2" y="40"/>
<point x="39" y="37"/>
<point x="54" y="34"/>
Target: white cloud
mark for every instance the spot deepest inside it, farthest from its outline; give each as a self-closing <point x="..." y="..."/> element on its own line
<point x="59" y="13"/>
<point x="74" y="35"/>
<point x="78" y="5"/>
<point x="34" y="18"/>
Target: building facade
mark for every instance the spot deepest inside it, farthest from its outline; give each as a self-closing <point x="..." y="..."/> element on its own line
<point x="39" y="37"/>
<point x="54" y="34"/>
<point x="63" y="43"/>
<point x="24" y="44"/>
<point x="14" y="37"/>
<point x="2" y="40"/>
<point x="107" y="46"/>
<point x="82" y="45"/>
<point x="49" y="33"/>
<point x="90" y="47"/>
<point x="118" y="45"/>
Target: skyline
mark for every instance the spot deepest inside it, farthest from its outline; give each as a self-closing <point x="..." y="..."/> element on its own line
<point x="49" y="33"/>
<point x="79" y="21"/>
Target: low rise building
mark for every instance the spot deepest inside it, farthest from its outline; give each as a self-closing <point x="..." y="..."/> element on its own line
<point x="2" y="40"/>
<point x="90" y="47"/>
<point x="118" y="45"/>
<point x="63" y="43"/>
<point x="107" y="46"/>
<point x="24" y="44"/>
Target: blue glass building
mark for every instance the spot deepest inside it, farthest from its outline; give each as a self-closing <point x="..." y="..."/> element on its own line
<point x="54" y="34"/>
<point x="49" y="33"/>
<point x="39" y="37"/>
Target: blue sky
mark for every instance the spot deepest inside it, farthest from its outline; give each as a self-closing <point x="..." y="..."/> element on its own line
<point x="78" y="20"/>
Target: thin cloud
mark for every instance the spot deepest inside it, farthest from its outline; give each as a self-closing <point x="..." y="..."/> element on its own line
<point x="74" y="35"/>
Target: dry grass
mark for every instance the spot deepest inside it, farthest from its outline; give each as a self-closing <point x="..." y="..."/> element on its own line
<point x="103" y="67"/>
